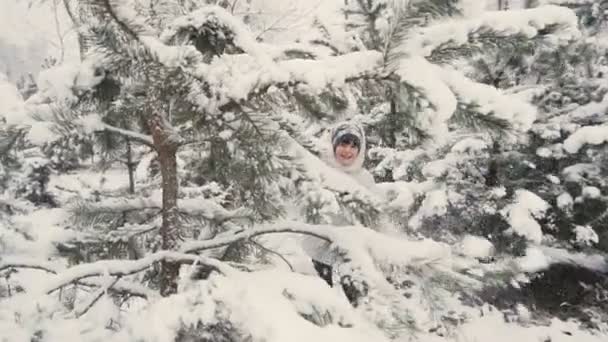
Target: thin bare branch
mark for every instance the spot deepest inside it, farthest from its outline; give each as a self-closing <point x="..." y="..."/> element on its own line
<point x="100" y="292"/>
<point x="268" y="250"/>
<point x="4" y="265"/>
<point x="141" y="138"/>
<point x="320" y="232"/>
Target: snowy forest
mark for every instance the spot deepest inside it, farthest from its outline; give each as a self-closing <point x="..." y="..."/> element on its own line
<point x="166" y="170"/>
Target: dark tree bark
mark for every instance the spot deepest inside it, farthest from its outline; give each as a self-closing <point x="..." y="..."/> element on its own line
<point x="131" y="167"/>
<point x="169" y="229"/>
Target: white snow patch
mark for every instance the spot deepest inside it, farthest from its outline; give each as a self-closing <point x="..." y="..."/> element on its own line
<point x="476" y="247"/>
<point x="544" y="152"/>
<point x="522" y="212"/>
<point x="593" y="135"/>
<point x="591" y="192"/>
<point x="469" y="145"/>
<point x="565" y="201"/>
<point x="434" y="204"/>
<point x="580" y="171"/>
<point x="534" y="260"/>
<point x="585" y="235"/>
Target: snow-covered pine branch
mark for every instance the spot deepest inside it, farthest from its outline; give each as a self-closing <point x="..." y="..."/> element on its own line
<point x="121" y="268"/>
<point x="225" y="73"/>
<point x="192" y="206"/>
<point x="356" y="240"/>
<point x="553" y="22"/>
<point x="121" y="286"/>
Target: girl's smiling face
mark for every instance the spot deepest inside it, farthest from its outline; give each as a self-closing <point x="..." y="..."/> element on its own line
<point x="346" y="152"/>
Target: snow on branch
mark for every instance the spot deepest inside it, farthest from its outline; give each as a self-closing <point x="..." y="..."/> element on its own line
<point x="228" y="238"/>
<point x="208" y="209"/>
<point x="551" y="21"/>
<point x="227" y="72"/>
<point x="353" y="239"/>
<point x="93" y="123"/>
<point x="233" y="31"/>
<point x="121" y="268"/>
<point x="444" y="89"/>
<point x="592" y="135"/>
<point x="141" y="138"/>
<point x="127" y="19"/>
<point x="8" y="263"/>
<point x="121" y="286"/>
<point x="219" y="18"/>
<point x="490" y="101"/>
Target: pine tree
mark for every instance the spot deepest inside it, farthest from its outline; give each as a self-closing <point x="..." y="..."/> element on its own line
<point x="224" y="120"/>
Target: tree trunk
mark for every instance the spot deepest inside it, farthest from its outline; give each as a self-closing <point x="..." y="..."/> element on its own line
<point x="492" y="175"/>
<point x="130" y="167"/>
<point x="169" y="230"/>
<point x="392" y="135"/>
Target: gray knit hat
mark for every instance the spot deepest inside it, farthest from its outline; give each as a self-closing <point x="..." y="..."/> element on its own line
<point x="346" y="133"/>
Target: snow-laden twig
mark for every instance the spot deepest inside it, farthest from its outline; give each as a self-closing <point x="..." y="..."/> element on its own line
<point x="122" y="286"/>
<point x="352" y="239"/>
<point x="268" y="250"/>
<point x="141" y="138"/>
<point x="321" y="232"/>
<point x="100" y="292"/>
<point x="8" y="263"/>
<point x="529" y="22"/>
<point x="121" y="268"/>
<point x="193" y="206"/>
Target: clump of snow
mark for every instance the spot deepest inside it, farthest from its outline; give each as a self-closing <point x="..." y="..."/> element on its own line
<point x="591" y="192"/>
<point x="565" y="201"/>
<point x="543" y="152"/>
<point x="12" y="106"/>
<point x="593" y="135"/>
<point x="90" y="123"/>
<point x="41" y="132"/>
<point x="498" y="192"/>
<point x="57" y="83"/>
<point x="469" y="145"/>
<point x="402" y="195"/>
<point x="476" y="247"/>
<point x="553" y="179"/>
<point x="534" y="260"/>
<point x="45" y="228"/>
<point x="580" y="171"/>
<point x="397" y="161"/>
<point x="420" y="73"/>
<point x="243" y="37"/>
<point x="585" y="235"/>
<point x="435" y="203"/>
<point x="522" y="212"/>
